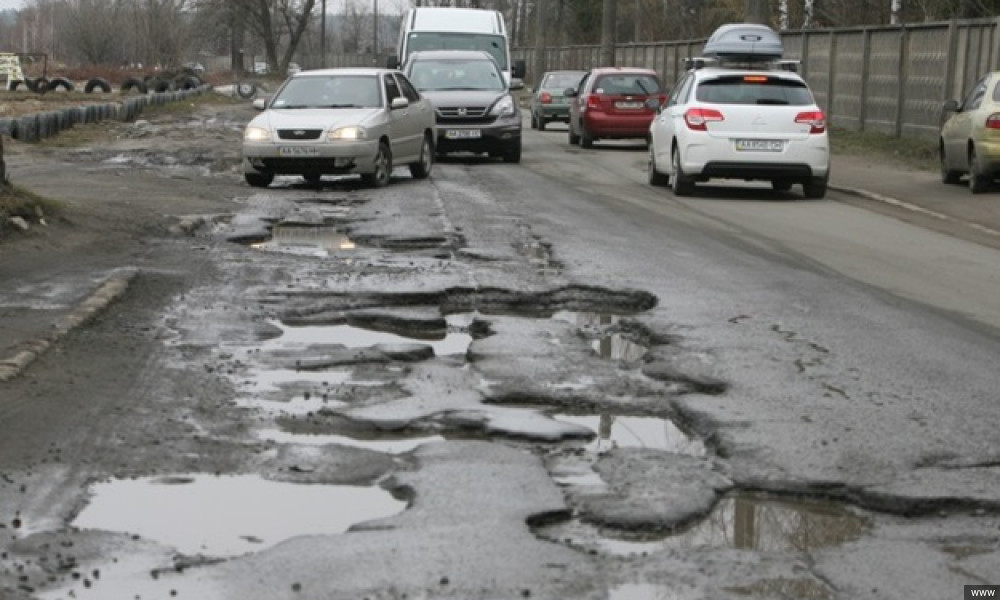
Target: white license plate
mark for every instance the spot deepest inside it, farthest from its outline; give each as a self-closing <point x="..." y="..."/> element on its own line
<point x="760" y="145"/>
<point x="297" y="151"/>
<point x="631" y="105"/>
<point x="463" y="134"/>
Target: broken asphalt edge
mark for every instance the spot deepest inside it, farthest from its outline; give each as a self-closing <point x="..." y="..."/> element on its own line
<point x="112" y="288"/>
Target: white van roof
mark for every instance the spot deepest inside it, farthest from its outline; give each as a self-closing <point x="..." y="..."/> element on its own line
<point x="456" y="19"/>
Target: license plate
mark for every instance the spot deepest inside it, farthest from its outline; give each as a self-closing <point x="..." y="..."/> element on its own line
<point x="297" y="151"/>
<point x="631" y="105"/>
<point x="760" y="145"/>
<point x="463" y="134"/>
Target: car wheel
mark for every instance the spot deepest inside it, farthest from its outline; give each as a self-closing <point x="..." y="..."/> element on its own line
<point x="422" y="168"/>
<point x="541" y="123"/>
<point x="681" y="184"/>
<point x="585" y="140"/>
<point x="383" y="168"/>
<point x="815" y="188"/>
<point x="513" y="153"/>
<point x="781" y="185"/>
<point x="948" y="176"/>
<point x="978" y="181"/>
<point x="574" y="139"/>
<point x="655" y="177"/>
<point x="534" y="121"/>
<point x="259" y="180"/>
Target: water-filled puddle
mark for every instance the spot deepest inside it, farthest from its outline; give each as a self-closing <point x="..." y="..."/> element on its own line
<point x="745" y="521"/>
<point x="384" y="443"/>
<point x="455" y="341"/>
<point x="616" y="431"/>
<point x="611" y="345"/>
<point x="221" y="516"/>
<point x="307" y="241"/>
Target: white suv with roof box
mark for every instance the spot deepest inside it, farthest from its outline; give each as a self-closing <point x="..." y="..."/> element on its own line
<point x="740" y="112"/>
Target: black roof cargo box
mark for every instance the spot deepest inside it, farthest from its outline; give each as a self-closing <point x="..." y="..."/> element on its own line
<point x="746" y="42"/>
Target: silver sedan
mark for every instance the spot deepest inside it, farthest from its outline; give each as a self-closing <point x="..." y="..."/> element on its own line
<point x="338" y="122"/>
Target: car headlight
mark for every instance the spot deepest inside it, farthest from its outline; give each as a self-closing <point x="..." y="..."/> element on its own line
<point x="256" y="134"/>
<point x="504" y="107"/>
<point x="349" y="133"/>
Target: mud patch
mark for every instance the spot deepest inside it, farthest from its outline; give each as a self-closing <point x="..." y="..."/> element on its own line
<point x="742" y="521"/>
<point x="222" y="516"/>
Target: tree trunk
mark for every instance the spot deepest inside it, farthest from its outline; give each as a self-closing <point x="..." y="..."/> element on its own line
<point x="757" y="11"/>
<point x="539" y="66"/>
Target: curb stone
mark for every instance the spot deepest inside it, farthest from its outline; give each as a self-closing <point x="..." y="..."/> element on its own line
<point x="112" y="288"/>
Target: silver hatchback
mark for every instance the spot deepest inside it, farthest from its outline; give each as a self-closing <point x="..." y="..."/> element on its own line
<point x="338" y="122"/>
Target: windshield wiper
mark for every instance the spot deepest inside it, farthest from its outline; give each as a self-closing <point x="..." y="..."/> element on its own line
<point x="341" y="106"/>
<point x="644" y="89"/>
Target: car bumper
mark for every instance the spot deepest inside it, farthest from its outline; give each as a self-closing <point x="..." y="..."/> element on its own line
<point x="493" y="137"/>
<point x="554" y="112"/>
<point x="603" y="125"/>
<point x="319" y="159"/>
<point x="718" y="158"/>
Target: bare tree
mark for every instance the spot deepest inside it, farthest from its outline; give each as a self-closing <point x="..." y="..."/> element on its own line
<point x="757" y="11"/>
<point x="87" y="30"/>
<point x="279" y="25"/>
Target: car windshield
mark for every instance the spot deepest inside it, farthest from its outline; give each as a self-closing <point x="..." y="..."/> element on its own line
<point x="560" y="81"/>
<point x="437" y="75"/>
<point x="628" y="84"/>
<point x="496" y="45"/>
<point x="329" y="91"/>
<point x="754" y="89"/>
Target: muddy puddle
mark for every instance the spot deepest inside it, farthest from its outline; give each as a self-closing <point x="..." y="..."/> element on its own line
<point x="617" y="431"/>
<point x="608" y="343"/>
<point x="223" y="516"/>
<point x="455" y="341"/>
<point x="307" y="241"/>
<point x="743" y="521"/>
<point x="389" y="444"/>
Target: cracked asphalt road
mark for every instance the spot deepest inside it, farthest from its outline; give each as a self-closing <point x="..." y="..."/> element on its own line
<point x="825" y="422"/>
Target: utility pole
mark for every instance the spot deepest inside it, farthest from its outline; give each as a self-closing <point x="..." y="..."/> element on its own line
<point x="322" y="35"/>
<point x="608" y="23"/>
<point x="375" y="31"/>
<point x="539" y="66"/>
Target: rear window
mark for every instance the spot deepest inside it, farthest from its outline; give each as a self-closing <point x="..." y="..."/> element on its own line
<point x="561" y="81"/>
<point x="754" y="89"/>
<point x="627" y="84"/>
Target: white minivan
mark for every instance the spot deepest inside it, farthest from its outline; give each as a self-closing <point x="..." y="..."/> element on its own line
<point x="445" y="28"/>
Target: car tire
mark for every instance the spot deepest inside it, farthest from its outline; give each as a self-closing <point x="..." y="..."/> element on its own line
<point x="259" y="180"/>
<point x="512" y="154"/>
<point x="136" y="83"/>
<point x="655" y="177"/>
<point x="949" y="176"/>
<point x="383" y="168"/>
<point x="61" y="82"/>
<point x="39" y="86"/>
<point x="541" y="123"/>
<point x="574" y="139"/>
<point x="815" y="188"/>
<point x="680" y="184"/>
<point x="979" y="182"/>
<point x="246" y="90"/>
<point x="422" y="168"/>
<point x="97" y="83"/>
<point x="534" y="121"/>
<point x="585" y="140"/>
<point x="781" y="185"/>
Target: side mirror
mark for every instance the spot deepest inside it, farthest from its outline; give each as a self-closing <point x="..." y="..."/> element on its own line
<point x="516" y="83"/>
<point x="260" y="103"/>
<point x="951" y="106"/>
<point x="520" y="68"/>
<point x="392" y="62"/>
<point x="399" y="102"/>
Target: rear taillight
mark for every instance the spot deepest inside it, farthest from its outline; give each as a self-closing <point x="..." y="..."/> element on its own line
<point x="594" y="103"/>
<point x="545" y="98"/>
<point x="698" y="118"/>
<point x="814" y="118"/>
<point x="993" y="121"/>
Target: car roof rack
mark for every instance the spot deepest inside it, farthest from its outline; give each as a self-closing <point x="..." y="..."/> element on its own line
<point x="745" y="42"/>
<point x="702" y="62"/>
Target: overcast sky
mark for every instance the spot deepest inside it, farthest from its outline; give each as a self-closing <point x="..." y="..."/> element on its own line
<point x="332" y="6"/>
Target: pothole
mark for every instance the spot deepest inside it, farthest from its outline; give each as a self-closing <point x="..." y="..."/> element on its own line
<point x="607" y="342"/>
<point x="743" y="521"/>
<point x="386" y="442"/>
<point x="617" y="431"/>
<point x="223" y="516"/>
<point x="308" y="241"/>
<point x="455" y="340"/>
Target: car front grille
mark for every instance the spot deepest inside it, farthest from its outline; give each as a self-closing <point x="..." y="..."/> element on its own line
<point x="464" y="115"/>
<point x="299" y="134"/>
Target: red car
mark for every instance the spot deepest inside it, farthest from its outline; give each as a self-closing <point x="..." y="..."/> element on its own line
<point x="613" y="103"/>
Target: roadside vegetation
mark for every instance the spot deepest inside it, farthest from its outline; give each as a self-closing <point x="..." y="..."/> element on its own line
<point x="913" y="153"/>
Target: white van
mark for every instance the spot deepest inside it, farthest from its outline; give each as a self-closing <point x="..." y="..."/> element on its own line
<point x="443" y="28"/>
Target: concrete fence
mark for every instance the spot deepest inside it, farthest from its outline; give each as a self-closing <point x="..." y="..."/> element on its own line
<point x="889" y="79"/>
